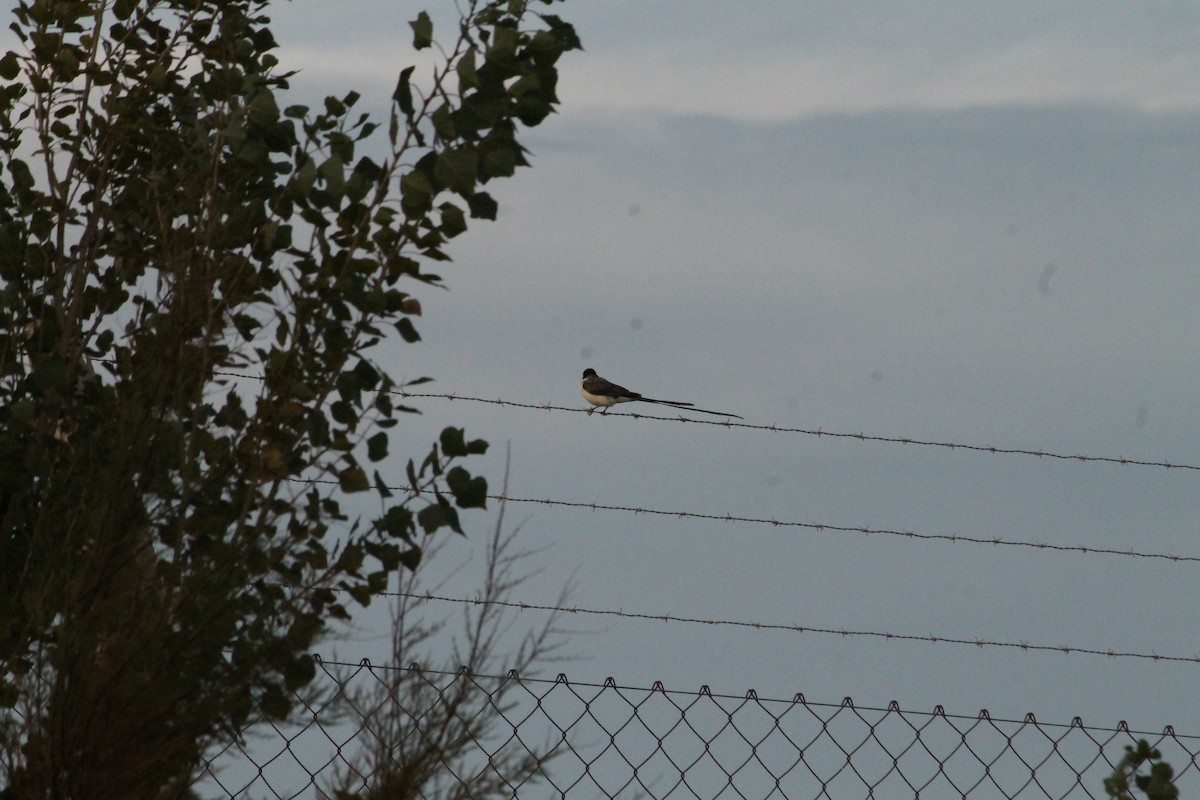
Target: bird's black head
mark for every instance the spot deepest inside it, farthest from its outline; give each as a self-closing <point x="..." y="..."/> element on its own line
<point x="589" y="371"/>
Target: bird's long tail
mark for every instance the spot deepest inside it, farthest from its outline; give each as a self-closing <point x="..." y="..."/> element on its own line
<point x="688" y="407"/>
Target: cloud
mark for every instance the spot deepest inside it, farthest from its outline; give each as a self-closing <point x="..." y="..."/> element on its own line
<point x="773" y="61"/>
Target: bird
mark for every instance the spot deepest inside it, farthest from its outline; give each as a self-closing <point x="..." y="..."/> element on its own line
<point x="604" y="394"/>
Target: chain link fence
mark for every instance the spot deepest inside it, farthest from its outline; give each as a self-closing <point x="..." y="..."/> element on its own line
<point x="372" y="731"/>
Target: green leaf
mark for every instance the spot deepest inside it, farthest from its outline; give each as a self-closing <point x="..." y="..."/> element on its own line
<point x="416" y="192"/>
<point x="397" y="522"/>
<point x="468" y="492"/>
<point x="439" y="515"/>
<point x="388" y="555"/>
<point x="333" y="170"/>
<point x="407" y="331"/>
<point x="299" y="672"/>
<point x="377" y="447"/>
<point x="411" y="558"/>
<point x="21" y="174"/>
<point x="366" y="375"/>
<point x="377" y="582"/>
<point x="454" y="222"/>
<point x="480" y="111"/>
<point x="10" y="66"/>
<point x="306" y="176"/>
<point x="500" y="163"/>
<point x="343" y="413"/>
<point x="360" y="593"/>
<point x="357" y="187"/>
<point x="274" y="702"/>
<point x="443" y="122"/>
<point x="503" y="52"/>
<point x="431" y="518"/>
<point x="103" y="343"/>
<point x="353" y="479"/>
<point x="263" y="109"/>
<point x="458" y="169"/>
<point x="369" y="170"/>
<point x="122" y="9"/>
<point x="453" y="441"/>
<point x="563" y="31"/>
<point x="403" y="93"/>
<point x="524" y="85"/>
<point x="351" y="559"/>
<point x="482" y="206"/>
<point x="422" y="31"/>
<point x="334" y="107"/>
<point x="468" y="76"/>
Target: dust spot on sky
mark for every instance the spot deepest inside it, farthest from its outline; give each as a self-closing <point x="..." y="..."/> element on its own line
<point x="635" y="210"/>
<point x="1044" y="280"/>
<point x="1143" y="414"/>
<point x="586" y="353"/>
<point x="636" y="323"/>
<point x="876" y="375"/>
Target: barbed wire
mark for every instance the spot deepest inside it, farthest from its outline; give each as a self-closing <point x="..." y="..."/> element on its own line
<point x="818" y="526"/>
<point x="778" y="626"/>
<point x="862" y="437"/>
<point x="818" y="432"/>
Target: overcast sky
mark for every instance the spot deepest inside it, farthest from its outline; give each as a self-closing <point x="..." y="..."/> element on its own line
<point x="966" y="222"/>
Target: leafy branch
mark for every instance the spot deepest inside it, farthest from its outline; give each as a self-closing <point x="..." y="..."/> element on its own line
<point x="1157" y="784"/>
<point x="164" y="217"/>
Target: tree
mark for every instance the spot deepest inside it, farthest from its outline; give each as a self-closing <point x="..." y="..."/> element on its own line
<point x="170" y="543"/>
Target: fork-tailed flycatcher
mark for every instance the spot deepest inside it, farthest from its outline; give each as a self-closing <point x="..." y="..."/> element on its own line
<point x="603" y="394"/>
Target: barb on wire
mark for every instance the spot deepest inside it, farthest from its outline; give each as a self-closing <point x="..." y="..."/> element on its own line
<point x="843" y="632"/>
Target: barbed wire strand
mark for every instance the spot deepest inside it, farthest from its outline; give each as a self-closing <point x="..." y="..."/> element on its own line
<point x="863" y="437"/>
<point x="778" y="626"/>
<point x="995" y="541"/>
<point x="817" y="526"/>
<point x="818" y="432"/>
<point x="750" y="694"/>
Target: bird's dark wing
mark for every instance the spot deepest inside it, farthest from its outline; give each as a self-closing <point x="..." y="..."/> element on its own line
<point x="597" y="385"/>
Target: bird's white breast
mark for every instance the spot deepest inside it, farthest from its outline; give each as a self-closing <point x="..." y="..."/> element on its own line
<point x="599" y="399"/>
